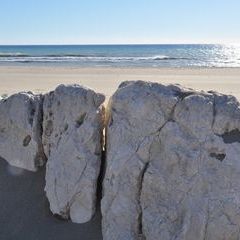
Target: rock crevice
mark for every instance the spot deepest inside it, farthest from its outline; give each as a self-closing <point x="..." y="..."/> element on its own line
<point x="140" y="220"/>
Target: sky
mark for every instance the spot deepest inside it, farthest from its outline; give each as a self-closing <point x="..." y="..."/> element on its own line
<point x="119" y="21"/>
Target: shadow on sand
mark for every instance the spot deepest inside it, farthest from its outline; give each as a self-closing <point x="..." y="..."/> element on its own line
<point x="25" y="214"/>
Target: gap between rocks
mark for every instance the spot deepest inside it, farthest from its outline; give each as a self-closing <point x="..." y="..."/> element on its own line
<point x="39" y="132"/>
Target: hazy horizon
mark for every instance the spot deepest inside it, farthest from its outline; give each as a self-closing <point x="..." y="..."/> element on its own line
<point x="119" y="44"/>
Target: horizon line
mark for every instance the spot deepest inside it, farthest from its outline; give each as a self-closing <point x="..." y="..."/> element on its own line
<point x="113" y="44"/>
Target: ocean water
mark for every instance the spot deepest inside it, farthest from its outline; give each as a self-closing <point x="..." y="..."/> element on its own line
<point x="179" y="55"/>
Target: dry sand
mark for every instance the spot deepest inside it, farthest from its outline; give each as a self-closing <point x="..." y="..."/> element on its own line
<point x="106" y="80"/>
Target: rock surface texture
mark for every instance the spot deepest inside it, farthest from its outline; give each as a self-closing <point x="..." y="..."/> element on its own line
<point x="173" y="164"/>
<point x="21" y="129"/>
<point x="72" y="135"/>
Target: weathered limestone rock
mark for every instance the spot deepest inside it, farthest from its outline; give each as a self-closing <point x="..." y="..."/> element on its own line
<point x="173" y="164"/>
<point x="20" y="130"/>
<point x="72" y="135"/>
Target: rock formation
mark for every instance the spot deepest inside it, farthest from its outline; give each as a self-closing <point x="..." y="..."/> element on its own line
<point x="20" y="130"/>
<point x="172" y="165"/>
<point x="72" y="135"/>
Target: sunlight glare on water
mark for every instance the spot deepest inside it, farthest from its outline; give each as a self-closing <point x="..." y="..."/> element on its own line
<point x="227" y="56"/>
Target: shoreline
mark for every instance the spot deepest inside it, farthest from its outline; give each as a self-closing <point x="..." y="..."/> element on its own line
<point x="41" y="79"/>
<point x="58" y="66"/>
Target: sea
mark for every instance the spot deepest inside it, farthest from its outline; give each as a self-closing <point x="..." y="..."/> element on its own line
<point x="157" y="55"/>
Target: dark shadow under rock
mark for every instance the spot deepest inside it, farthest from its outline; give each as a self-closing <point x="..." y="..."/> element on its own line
<point x="25" y="214"/>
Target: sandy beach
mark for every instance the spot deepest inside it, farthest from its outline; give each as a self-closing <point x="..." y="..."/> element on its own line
<point x="106" y="80"/>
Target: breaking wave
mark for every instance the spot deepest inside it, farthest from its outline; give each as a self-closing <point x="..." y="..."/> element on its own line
<point x="20" y="57"/>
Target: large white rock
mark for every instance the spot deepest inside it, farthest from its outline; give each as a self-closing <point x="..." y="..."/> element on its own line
<point x="72" y="139"/>
<point x="173" y="164"/>
<point x="21" y="129"/>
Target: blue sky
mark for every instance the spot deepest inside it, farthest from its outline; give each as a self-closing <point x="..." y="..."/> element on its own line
<point x="119" y="21"/>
